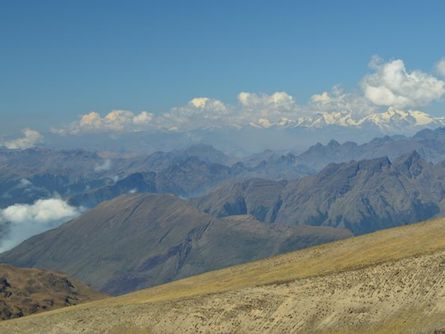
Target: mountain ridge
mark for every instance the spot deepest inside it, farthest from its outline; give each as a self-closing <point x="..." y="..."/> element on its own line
<point x="140" y="240"/>
<point x="362" y="196"/>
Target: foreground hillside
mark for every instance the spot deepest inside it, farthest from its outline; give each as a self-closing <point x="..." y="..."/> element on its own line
<point x="139" y="240"/>
<point x="28" y="291"/>
<point x="391" y="281"/>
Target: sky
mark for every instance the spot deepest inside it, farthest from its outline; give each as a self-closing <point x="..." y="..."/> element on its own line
<point x="60" y="60"/>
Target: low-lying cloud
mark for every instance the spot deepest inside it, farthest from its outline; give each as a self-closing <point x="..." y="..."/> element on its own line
<point x="115" y="121"/>
<point x="30" y="139"/>
<point x="103" y="167"/>
<point x="22" y="221"/>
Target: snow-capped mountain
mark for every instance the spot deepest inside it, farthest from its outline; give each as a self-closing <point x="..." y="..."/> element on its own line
<point x="391" y="121"/>
<point x="395" y="120"/>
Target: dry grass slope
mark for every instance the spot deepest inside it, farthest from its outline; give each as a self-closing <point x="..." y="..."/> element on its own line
<point x="391" y="281"/>
<point x="28" y="291"/>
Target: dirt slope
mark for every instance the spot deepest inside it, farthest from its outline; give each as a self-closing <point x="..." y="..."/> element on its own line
<point x="392" y="281"/>
<point x="28" y="291"/>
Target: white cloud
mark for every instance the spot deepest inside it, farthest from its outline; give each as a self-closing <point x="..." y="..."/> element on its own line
<point x="393" y="85"/>
<point x="264" y="123"/>
<point x="390" y="85"/>
<point x="205" y="103"/>
<point x="267" y="110"/>
<point x="91" y="120"/>
<point x="142" y="118"/>
<point x="276" y="102"/>
<point x="26" y="220"/>
<point x="322" y="98"/>
<point x="339" y="102"/>
<point x="30" y="139"/>
<point x="106" y="165"/>
<point x="199" y="112"/>
<point x="114" y="121"/>
<point x="440" y="67"/>
<point x="42" y="211"/>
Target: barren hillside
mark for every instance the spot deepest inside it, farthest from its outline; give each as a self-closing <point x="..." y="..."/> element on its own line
<point x="391" y="281"/>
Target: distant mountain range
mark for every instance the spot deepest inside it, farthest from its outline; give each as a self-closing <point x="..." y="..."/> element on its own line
<point x="391" y="121"/>
<point x="139" y="240"/>
<point x="86" y="178"/>
<point x="283" y="133"/>
<point x="144" y="238"/>
<point x="359" y="188"/>
<point x="362" y="196"/>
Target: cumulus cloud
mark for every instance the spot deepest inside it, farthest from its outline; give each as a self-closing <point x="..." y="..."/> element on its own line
<point x="390" y="85"/>
<point x="115" y="121"/>
<point x="393" y="85"/>
<point x="26" y="220"/>
<point x="205" y="103"/>
<point x="322" y="98"/>
<point x="199" y="112"/>
<point x="266" y="110"/>
<point x="264" y="123"/>
<point x="278" y="101"/>
<point x="339" y="101"/>
<point x="440" y="66"/>
<point x="29" y="139"/>
<point x="142" y="118"/>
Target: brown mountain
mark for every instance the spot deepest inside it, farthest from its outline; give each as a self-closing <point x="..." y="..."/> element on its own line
<point x="362" y="196"/>
<point x="257" y="197"/>
<point x="140" y="240"/>
<point x="27" y="291"/>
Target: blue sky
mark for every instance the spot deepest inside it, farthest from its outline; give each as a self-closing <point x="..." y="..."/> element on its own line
<point x="62" y="59"/>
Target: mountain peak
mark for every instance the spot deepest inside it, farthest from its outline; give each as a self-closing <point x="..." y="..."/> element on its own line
<point x="373" y="165"/>
<point x="333" y="143"/>
<point x="411" y="163"/>
<point x="409" y="159"/>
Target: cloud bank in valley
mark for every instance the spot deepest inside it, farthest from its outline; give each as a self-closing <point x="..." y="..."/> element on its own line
<point x="390" y="89"/>
<point x="22" y="221"/>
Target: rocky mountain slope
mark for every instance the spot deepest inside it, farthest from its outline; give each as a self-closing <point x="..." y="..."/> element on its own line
<point x="390" y="281"/>
<point x="257" y="197"/>
<point x="28" y="291"/>
<point x="362" y="196"/>
<point x="88" y="178"/>
<point x="428" y="143"/>
<point x="140" y="240"/>
<point x="27" y="175"/>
